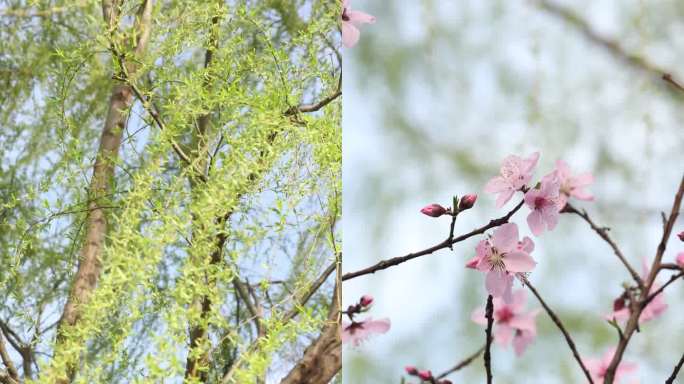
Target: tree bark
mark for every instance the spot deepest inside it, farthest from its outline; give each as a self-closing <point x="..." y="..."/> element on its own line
<point x="322" y="359"/>
<point x="90" y="263"/>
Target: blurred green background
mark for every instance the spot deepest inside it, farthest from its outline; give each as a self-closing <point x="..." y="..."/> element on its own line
<point x="437" y="93"/>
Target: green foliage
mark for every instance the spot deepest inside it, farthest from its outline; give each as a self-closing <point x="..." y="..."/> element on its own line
<point x="275" y="175"/>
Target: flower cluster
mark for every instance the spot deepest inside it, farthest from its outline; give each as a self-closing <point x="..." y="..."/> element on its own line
<point x="355" y="332"/>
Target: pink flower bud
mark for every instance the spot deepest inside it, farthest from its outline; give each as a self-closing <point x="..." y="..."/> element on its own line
<point x="444" y="382"/>
<point x="366" y="300"/>
<point x="680" y="259"/>
<point x="467" y="202"/>
<point x="681" y="235"/>
<point x="618" y="304"/>
<point x="411" y="370"/>
<point x="433" y="210"/>
<point x="425" y="375"/>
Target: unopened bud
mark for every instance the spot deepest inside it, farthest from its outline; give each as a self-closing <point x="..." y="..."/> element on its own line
<point x="467" y="202"/>
<point x="433" y="210"/>
<point x="681" y="235"/>
<point x="618" y="304"/>
<point x="425" y="375"/>
<point x="366" y="300"/>
<point x="411" y="370"/>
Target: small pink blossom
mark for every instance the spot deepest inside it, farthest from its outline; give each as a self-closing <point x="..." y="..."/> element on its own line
<point x="467" y="202"/>
<point x="572" y="185"/>
<point x="515" y="173"/>
<point x="654" y="309"/>
<point x="598" y="367"/>
<point x="511" y="323"/>
<point x="350" y="23"/>
<point x="366" y="300"/>
<point x="433" y="210"/>
<point x="680" y="259"/>
<point x="544" y="204"/>
<point x="500" y="258"/>
<point x="358" y="331"/>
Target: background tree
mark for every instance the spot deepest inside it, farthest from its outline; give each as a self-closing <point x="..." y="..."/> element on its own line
<point x="170" y="181"/>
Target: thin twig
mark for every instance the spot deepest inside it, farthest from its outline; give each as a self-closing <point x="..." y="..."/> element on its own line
<point x="677" y="367"/>
<point x="462" y="364"/>
<point x="668" y="78"/>
<point x="560" y="326"/>
<point x="489" y="314"/>
<point x="384" y="264"/>
<point x="603" y="233"/>
<point x="660" y="290"/>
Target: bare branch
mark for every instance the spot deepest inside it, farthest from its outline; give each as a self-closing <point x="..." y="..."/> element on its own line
<point x="489" y="314"/>
<point x="384" y="264"/>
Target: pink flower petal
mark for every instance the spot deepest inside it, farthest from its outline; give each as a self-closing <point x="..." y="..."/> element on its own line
<point x="358" y="17"/>
<point x="496" y="282"/>
<point x="505" y="237"/>
<point x="519" y="262"/>
<point x="350" y="34"/>
<point x="534" y="220"/>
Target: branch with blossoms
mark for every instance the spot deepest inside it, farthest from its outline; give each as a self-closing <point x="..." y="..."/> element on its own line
<point x="504" y="258"/>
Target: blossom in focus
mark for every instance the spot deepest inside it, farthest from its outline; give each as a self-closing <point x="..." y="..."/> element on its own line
<point x="512" y="325"/>
<point x="598" y="367"/>
<point x="572" y="185"/>
<point x="515" y="173"/>
<point x="544" y="204"/>
<point x="358" y="331"/>
<point x="500" y="258"/>
<point x="351" y="20"/>
<point x="433" y="210"/>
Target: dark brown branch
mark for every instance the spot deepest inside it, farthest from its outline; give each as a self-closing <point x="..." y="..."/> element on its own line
<point x="560" y="326"/>
<point x="462" y="364"/>
<point x="314" y="107"/>
<point x="633" y="322"/>
<point x="384" y="264"/>
<point x="489" y="314"/>
<point x="677" y="367"/>
<point x="603" y="233"/>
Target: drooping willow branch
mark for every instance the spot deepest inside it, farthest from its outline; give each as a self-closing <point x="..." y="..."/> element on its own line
<point x="384" y="264"/>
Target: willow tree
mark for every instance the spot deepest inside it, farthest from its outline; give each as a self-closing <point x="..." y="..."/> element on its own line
<point x="170" y="181"/>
